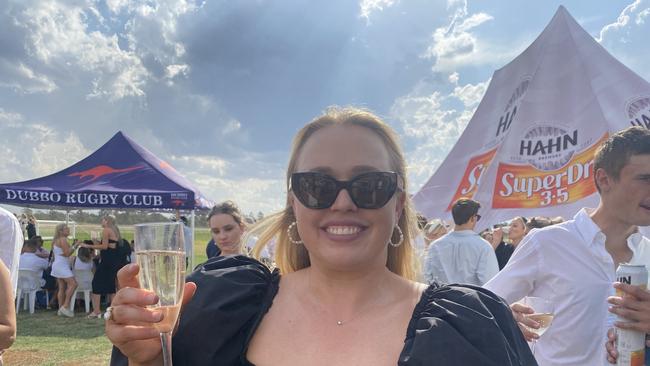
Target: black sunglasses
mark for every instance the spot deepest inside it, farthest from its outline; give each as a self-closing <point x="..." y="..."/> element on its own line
<point x="478" y="217"/>
<point x="368" y="190"/>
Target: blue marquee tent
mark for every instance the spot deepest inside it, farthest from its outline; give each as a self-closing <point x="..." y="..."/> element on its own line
<point x="120" y="174"/>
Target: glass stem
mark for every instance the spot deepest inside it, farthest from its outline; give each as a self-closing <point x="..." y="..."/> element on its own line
<point x="533" y="348"/>
<point x="166" y="341"/>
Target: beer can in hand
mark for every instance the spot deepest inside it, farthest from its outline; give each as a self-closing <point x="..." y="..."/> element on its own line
<point x="630" y="344"/>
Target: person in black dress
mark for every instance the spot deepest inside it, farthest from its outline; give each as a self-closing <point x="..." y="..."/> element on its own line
<point x="31" y="227"/>
<point x="516" y="233"/>
<point x="343" y="291"/>
<point x="104" y="279"/>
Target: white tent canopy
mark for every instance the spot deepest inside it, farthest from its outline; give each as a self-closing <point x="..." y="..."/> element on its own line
<point x="528" y="149"/>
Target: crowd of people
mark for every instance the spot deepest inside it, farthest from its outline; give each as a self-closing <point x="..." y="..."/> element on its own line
<point x="93" y="263"/>
<point x="347" y="273"/>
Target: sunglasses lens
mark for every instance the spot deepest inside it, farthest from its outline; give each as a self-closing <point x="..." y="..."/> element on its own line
<point x="370" y="190"/>
<point x="373" y="190"/>
<point x="314" y="190"/>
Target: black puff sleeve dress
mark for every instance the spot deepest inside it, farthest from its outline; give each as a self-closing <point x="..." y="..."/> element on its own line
<point x="451" y="325"/>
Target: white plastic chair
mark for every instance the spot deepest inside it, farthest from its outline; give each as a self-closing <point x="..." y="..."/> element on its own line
<point x="84" y="280"/>
<point x="29" y="283"/>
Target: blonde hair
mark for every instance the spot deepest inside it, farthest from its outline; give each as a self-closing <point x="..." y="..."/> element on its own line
<point x="58" y="232"/>
<point x="110" y="220"/>
<point x="290" y="257"/>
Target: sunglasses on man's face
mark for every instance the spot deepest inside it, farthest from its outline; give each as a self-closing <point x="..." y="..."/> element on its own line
<point x="370" y="190"/>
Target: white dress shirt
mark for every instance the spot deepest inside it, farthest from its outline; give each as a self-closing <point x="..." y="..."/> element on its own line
<point x="32" y="262"/>
<point x="460" y="257"/>
<point x="569" y="265"/>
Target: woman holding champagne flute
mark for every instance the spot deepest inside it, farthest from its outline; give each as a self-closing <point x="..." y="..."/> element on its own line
<point x="105" y="275"/>
<point x="343" y="291"/>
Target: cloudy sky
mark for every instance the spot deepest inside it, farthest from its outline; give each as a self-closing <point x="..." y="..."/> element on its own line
<point x="218" y="88"/>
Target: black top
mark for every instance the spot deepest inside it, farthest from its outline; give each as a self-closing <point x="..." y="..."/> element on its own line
<point x="503" y="252"/>
<point x="106" y="272"/>
<point x="450" y="326"/>
<point x="212" y="250"/>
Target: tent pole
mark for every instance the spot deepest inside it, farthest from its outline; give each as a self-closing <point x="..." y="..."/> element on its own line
<point x="192" y="255"/>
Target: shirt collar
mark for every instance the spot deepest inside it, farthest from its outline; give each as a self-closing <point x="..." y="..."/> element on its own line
<point x="592" y="234"/>
<point x="464" y="232"/>
<point x="587" y="227"/>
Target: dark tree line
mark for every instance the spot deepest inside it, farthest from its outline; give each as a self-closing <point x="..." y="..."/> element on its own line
<point x="124" y="217"/>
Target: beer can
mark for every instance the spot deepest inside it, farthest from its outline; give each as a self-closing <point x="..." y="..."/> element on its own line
<point x="631" y="274"/>
<point x="630" y="344"/>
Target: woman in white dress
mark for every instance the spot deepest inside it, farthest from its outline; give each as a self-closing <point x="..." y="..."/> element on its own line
<point x="61" y="269"/>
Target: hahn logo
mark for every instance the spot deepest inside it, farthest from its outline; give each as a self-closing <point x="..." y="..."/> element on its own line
<point x="101" y="171"/>
<point x="638" y="112"/>
<point x="548" y="147"/>
<point x="510" y="110"/>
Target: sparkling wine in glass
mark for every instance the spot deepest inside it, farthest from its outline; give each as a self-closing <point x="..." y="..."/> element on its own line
<point x="160" y="252"/>
<point x="543" y="315"/>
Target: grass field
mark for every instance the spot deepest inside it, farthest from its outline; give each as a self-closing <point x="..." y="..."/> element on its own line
<point x="49" y="340"/>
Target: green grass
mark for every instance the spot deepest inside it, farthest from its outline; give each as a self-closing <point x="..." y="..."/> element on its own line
<point x="47" y="339"/>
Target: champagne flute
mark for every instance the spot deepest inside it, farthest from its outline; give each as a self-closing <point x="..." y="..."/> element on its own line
<point x="543" y="315"/>
<point x="160" y="252"/>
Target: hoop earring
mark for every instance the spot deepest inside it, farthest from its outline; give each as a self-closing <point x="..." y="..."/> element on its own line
<point x="401" y="238"/>
<point x="296" y="242"/>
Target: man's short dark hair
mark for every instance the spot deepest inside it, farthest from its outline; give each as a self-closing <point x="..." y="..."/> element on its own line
<point x="30" y="245"/>
<point x="615" y="152"/>
<point x="463" y="210"/>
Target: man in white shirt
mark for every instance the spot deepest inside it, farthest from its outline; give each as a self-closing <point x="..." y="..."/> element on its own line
<point x="461" y="256"/>
<point x="29" y="261"/>
<point x="573" y="264"/>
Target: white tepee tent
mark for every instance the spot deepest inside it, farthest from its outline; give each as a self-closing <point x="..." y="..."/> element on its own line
<point x="528" y="149"/>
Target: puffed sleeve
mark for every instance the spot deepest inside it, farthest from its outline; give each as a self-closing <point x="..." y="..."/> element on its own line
<point x="232" y="295"/>
<point x="463" y="325"/>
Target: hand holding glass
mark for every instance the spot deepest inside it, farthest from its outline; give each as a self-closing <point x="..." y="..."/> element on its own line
<point x="160" y="252"/>
<point x="543" y="314"/>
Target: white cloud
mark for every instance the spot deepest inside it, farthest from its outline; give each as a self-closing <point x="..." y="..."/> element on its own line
<point x="640" y="18"/>
<point x="152" y="30"/>
<point x="112" y="51"/>
<point x="60" y="38"/>
<point x="622" y="20"/>
<point x="454" y="44"/>
<point x="369" y="6"/>
<point x="24" y="80"/>
<point x="30" y="150"/>
<point x="453" y="78"/>
<point x="470" y="94"/>
<point x="202" y="162"/>
<point x="253" y="183"/>
<point x="233" y="125"/>
<point x="250" y="194"/>
<point x="626" y="37"/>
<point x="171" y="71"/>
<point x="56" y="151"/>
<point x="433" y="122"/>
